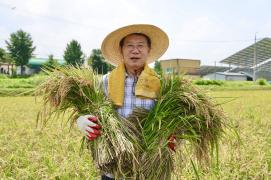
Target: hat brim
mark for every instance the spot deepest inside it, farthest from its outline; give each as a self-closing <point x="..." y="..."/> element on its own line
<point x="111" y="44"/>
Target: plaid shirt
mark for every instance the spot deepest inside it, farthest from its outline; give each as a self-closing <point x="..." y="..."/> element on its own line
<point x="130" y="100"/>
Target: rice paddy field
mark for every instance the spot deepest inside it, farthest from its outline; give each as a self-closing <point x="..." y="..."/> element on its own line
<point x="29" y="150"/>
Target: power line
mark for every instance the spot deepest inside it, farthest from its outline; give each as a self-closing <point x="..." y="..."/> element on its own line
<point x="218" y="41"/>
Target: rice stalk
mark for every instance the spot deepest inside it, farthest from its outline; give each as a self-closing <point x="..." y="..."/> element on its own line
<point x="186" y="112"/>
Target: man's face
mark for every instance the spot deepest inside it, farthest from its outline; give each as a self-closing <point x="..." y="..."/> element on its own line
<point x="135" y="51"/>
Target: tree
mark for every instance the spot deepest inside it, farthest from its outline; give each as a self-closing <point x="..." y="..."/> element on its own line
<point x="73" y="54"/>
<point x="2" y="54"/>
<point x="97" y="62"/>
<point x="2" y="57"/>
<point x="6" y="58"/>
<point x="20" y="47"/>
<point x="158" y="67"/>
<point x="51" y="63"/>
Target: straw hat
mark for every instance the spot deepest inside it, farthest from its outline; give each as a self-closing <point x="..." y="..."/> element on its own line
<point x="111" y="48"/>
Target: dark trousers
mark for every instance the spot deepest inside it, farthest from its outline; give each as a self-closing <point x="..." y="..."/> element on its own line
<point x="106" y="178"/>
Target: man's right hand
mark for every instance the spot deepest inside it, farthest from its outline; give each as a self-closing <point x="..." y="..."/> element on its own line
<point x="87" y="124"/>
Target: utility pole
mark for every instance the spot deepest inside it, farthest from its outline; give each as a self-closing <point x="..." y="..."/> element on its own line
<point x="215" y="70"/>
<point x="255" y="60"/>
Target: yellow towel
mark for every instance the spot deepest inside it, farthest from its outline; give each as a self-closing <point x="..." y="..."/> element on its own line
<point x="147" y="86"/>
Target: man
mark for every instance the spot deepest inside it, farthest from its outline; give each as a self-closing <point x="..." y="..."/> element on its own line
<point x="132" y="83"/>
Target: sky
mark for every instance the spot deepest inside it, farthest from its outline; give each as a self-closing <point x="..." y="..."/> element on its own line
<point x="209" y="30"/>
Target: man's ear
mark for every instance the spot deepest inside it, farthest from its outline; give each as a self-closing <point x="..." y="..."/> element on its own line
<point x="149" y="50"/>
<point x="121" y="52"/>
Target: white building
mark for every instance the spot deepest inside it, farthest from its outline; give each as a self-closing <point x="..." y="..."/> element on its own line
<point x="6" y="68"/>
<point x="226" y="76"/>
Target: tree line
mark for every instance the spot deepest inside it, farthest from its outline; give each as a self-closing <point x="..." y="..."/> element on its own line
<point x="20" y="49"/>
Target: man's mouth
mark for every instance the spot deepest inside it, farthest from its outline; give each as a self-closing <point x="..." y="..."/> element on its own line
<point x="134" y="58"/>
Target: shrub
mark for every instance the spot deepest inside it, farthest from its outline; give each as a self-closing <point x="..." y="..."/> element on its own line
<point x="208" y="82"/>
<point x="262" y="82"/>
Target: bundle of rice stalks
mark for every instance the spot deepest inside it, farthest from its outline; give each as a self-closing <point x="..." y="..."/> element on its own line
<point x="183" y="111"/>
<point x="80" y="90"/>
<point x="137" y="147"/>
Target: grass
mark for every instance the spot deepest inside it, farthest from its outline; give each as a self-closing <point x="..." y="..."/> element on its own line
<point x="28" y="152"/>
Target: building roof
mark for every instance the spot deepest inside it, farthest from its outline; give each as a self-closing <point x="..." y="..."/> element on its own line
<point x="245" y="57"/>
<point x="265" y="66"/>
<point x="40" y="61"/>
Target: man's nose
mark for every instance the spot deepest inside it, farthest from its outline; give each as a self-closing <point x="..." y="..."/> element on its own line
<point x="135" y="50"/>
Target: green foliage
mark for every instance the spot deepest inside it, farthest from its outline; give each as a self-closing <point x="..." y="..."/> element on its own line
<point x="262" y="82"/>
<point x="2" y="53"/>
<point x="5" y="57"/>
<point x="73" y="54"/>
<point x="97" y="62"/>
<point x="20" y="47"/>
<point x="208" y="82"/>
<point x="8" y="59"/>
<point x="158" y="68"/>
